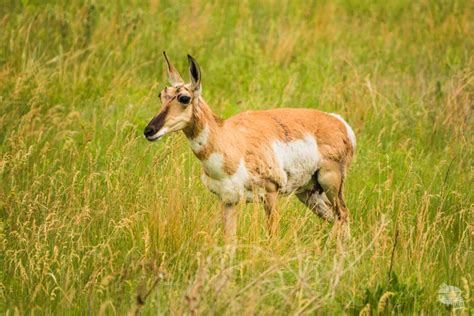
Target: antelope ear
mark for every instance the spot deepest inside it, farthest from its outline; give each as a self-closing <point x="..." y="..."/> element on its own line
<point x="195" y="74"/>
<point x="173" y="75"/>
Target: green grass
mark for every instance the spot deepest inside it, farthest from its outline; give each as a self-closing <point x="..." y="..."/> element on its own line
<point x="92" y="215"/>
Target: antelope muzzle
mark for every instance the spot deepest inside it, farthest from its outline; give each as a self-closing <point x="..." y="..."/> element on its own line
<point x="154" y="130"/>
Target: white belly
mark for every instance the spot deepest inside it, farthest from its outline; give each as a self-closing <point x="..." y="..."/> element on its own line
<point x="230" y="188"/>
<point x="297" y="160"/>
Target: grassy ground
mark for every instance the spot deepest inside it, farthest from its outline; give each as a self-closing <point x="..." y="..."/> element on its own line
<point x="92" y="215"/>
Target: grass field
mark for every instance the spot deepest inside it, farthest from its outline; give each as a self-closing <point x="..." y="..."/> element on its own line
<point x="93" y="216"/>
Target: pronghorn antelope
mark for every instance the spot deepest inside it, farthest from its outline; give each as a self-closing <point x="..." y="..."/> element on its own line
<point x="257" y="155"/>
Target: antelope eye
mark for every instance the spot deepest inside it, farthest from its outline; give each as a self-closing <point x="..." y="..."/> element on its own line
<point x="184" y="99"/>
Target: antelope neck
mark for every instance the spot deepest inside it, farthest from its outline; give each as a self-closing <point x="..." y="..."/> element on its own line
<point x="204" y="128"/>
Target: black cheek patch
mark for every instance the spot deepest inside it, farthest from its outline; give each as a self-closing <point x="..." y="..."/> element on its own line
<point x="159" y="120"/>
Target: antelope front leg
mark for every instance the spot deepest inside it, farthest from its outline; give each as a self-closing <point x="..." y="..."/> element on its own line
<point x="271" y="213"/>
<point x="229" y="214"/>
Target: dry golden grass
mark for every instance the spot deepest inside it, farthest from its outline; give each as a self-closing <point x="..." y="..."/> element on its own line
<point x="94" y="219"/>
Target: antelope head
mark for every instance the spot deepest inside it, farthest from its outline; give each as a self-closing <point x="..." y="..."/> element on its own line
<point x="177" y="102"/>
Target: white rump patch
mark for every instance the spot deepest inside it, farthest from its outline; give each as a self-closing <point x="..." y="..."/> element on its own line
<point x="298" y="161"/>
<point x="350" y="132"/>
<point x="230" y="188"/>
<point x="200" y="141"/>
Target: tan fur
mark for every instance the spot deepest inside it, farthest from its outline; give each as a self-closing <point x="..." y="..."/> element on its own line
<point x="249" y="136"/>
<point x="241" y="148"/>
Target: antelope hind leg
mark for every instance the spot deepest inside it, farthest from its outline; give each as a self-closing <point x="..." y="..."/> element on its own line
<point x="318" y="203"/>
<point x="331" y="179"/>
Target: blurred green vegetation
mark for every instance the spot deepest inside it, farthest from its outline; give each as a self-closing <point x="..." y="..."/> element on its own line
<point x="92" y="215"/>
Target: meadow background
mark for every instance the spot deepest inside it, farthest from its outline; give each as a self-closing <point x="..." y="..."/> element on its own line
<point x="92" y="216"/>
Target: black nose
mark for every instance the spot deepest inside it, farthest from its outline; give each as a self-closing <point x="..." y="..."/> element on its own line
<point x="149" y="131"/>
